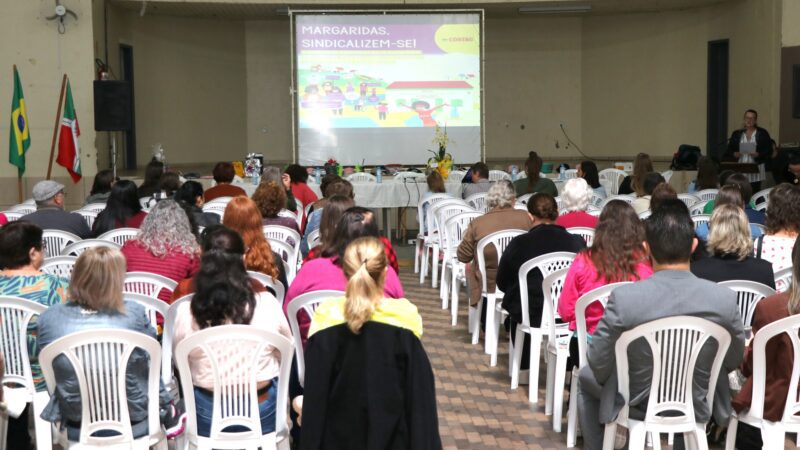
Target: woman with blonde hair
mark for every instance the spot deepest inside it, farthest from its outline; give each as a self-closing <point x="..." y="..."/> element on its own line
<point x="368" y="380"/>
<point x="242" y="215"/>
<point x="634" y="183"/>
<point x="96" y="301"/>
<point x="730" y="249"/>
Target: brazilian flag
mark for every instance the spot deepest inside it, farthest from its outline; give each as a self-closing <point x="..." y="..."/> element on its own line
<point x="20" y="138"/>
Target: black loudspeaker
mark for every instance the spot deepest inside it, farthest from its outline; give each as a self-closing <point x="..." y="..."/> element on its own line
<point x="112" y="105"/>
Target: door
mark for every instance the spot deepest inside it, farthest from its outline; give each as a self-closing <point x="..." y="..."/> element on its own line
<point x="717" y="105"/>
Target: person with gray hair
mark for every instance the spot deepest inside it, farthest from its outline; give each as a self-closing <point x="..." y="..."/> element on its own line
<point x="50" y="215"/>
<point x="501" y="216"/>
<point x="274" y="173"/>
<point x="576" y="197"/>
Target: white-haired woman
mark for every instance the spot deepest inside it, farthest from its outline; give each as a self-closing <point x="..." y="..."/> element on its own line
<point x="576" y="197"/>
<point x="730" y="247"/>
<point x="165" y="245"/>
<point x="501" y="216"/>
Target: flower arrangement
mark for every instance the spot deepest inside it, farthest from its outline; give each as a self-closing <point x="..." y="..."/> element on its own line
<point x="441" y="161"/>
<point x="332" y="167"/>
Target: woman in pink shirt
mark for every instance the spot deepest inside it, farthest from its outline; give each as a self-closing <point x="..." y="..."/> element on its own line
<point x="617" y="254"/>
<point x="576" y="197"/>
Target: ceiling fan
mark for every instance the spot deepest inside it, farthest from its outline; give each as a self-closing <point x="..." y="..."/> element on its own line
<point x="61" y="12"/>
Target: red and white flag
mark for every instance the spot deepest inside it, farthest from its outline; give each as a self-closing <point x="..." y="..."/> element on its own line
<point x="69" y="150"/>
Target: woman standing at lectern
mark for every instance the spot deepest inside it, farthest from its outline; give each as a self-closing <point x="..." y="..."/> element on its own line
<point x="751" y="144"/>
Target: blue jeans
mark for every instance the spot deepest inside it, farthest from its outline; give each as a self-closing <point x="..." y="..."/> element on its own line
<point x="204" y="404"/>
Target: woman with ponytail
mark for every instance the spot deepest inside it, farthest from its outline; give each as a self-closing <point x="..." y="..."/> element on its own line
<point x="534" y="182"/>
<point x="368" y="381"/>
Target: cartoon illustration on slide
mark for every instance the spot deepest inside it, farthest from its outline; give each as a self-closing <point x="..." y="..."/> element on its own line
<point x="425" y="112"/>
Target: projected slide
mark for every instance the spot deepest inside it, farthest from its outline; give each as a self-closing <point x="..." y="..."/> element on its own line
<point x="373" y="88"/>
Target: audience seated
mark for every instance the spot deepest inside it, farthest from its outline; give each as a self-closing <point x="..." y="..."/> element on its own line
<point x="642" y="202"/>
<point x="96" y="301"/>
<point x="242" y="216"/>
<point x="664" y="191"/>
<point x="730" y="250"/>
<point x="501" y="216"/>
<point x="544" y="237"/>
<point x="101" y="187"/>
<point x="779" y="357"/>
<point x="21" y="255"/>
<point x="167" y="185"/>
<point x="224" y="296"/>
<point x="588" y="171"/>
<point x="368" y="380"/>
<point x="165" y="245"/>
<point x="325" y="272"/>
<point x="783" y="225"/>
<point x="634" y="183"/>
<point x="190" y="196"/>
<point x="122" y="209"/>
<point x="336" y="186"/>
<point x="479" y="182"/>
<point x="576" y="196"/>
<point x="223" y="175"/>
<point x="300" y="190"/>
<point x="671" y="291"/>
<point x="730" y="194"/>
<point x="326" y="180"/>
<point x="50" y="215"/>
<point x="534" y="182"/>
<point x="152" y="176"/>
<point x="271" y="199"/>
<point x="331" y="214"/>
<point x="707" y="177"/>
<point x="435" y="186"/>
<point x="617" y="254"/>
<point x="741" y="181"/>
<point x="275" y="174"/>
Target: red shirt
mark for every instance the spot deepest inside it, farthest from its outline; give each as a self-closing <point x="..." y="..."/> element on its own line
<point x="577" y="219"/>
<point x="223" y="190"/>
<point x="175" y="266"/>
<point x="303" y="194"/>
<point x="135" y="221"/>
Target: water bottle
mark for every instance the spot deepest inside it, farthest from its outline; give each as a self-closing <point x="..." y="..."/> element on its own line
<point x="256" y="178"/>
<point x="378" y="174"/>
<point x="562" y="173"/>
<point x="514" y="172"/>
<point x="317" y="174"/>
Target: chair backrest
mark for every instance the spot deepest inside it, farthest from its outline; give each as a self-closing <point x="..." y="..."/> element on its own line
<point x="15" y="317"/>
<point x="547" y="264"/>
<point x="600" y="295"/>
<point x="625" y="198"/>
<point x="314" y="239"/>
<point x="153" y="307"/>
<point x="457" y="175"/>
<point x="12" y="215"/>
<point x="235" y="352"/>
<point x="523" y="199"/>
<point x="499" y="240"/>
<point x="762" y="206"/>
<point x="707" y="194"/>
<point x="444" y="213"/>
<point x="560" y="205"/>
<point x="281" y="233"/>
<point x="675" y="343"/>
<point x="477" y="201"/>
<point x="147" y="283"/>
<point x="454" y="229"/>
<point x="265" y="280"/>
<point x="432" y="225"/>
<point x="290" y="256"/>
<point x="56" y="240"/>
<point x="60" y="266"/>
<point x="292" y="215"/>
<point x="23" y="208"/>
<point x="88" y="215"/>
<point x="701" y="219"/>
<point x="119" y="235"/>
<point x="361" y="177"/>
<point x="783" y="279"/>
<point x="667" y="174"/>
<point x="698" y="208"/>
<point x="790" y="326"/>
<point x="689" y="199"/>
<point x="307" y="302"/>
<point x="596" y="200"/>
<point x="748" y="294"/>
<point x="615" y="177"/>
<point x="99" y="358"/>
<point x="168" y="336"/>
<point x="761" y="197"/>
<point x="433" y="199"/>
<point x="496" y="175"/>
<point x="217" y="206"/>
<point x="585" y="232"/>
<point x="645" y="214"/>
<point x="76" y="248"/>
<point x="552" y="285"/>
<point x="94" y="207"/>
<point x="571" y="173"/>
<point x="522" y="175"/>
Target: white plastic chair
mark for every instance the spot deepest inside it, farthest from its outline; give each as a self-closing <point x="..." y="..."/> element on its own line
<point x="625" y="198"/>
<point x="410" y="177"/>
<point x="60" y="266"/>
<point x="88" y="216"/>
<point x="292" y="215"/>
<point x="144" y="202"/>
<point x="457" y="174"/>
<point x="167" y="336"/>
<point x="432" y="237"/>
<point x="56" y="240"/>
<point x="783" y="279"/>
<point x="265" y="280"/>
<point x="290" y="256"/>
<point x="614" y="176"/>
<point x="497" y="175"/>
<point x="361" y="177"/>
<point x="12" y="215"/>
<point x="153" y="307"/>
<point x="773" y="434"/>
<point x="23" y="208"/>
<point x="76" y="248"/>
<point x="706" y="194"/>
<point x="308" y="302"/>
<point x="748" y="294"/>
<point x="689" y="199"/>
<point x="477" y="201"/>
<point x="585" y="232"/>
<point x="523" y="199"/>
<point x="701" y="219"/>
<point x="761" y="197"/>
<point x="762" y="207"/>
<point x="147" y="283"/>
<point x="570" y="173"/>
<point x="422" y="236"/>
<point x="440" y="215"/>
<point x="94" y="207"/>
<point x="667" y="174"/>
<point x="645" y="214"/>
<point x="15" y="317"/>
<point x="120" y="235"/>
<point x="100" y="361"/>
<point x="558" y="337"/>
<point x="314" y="239"/>
<point x="596" y="200"/>
<point x="675" y="343"/>
<point x="698" y="208"/>
<point x="235" y="352"/>
<point x="453" y="271"/>
<point x="281" y="233"/>
<point x="217" y="206"/>
<point x="499" y="240"/>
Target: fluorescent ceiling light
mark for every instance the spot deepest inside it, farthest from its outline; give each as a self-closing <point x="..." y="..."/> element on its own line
<point x="554" y="9"/>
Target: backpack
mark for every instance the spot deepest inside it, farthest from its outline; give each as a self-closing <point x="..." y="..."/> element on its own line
<point x="686" y="157"/>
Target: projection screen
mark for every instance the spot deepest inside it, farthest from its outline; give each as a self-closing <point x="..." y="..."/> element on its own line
<point x="372" y="88"/>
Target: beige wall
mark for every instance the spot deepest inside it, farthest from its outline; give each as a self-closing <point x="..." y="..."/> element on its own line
<point x="43" y="56"/>
<point x="791" y="23"/>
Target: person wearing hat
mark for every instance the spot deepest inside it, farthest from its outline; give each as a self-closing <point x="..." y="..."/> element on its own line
<point x="50" y="214"/>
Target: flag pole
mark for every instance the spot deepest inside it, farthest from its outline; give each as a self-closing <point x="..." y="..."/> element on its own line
<point x="57" y="126"/>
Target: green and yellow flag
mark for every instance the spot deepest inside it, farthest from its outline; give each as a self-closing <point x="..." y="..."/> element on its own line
<point x="20" y="138"/>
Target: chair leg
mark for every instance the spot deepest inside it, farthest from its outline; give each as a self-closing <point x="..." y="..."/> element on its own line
<point x="730" y="439"/>
<point x="435" y="266"/>
<point x="551" y="374"/>
<point x="423" y="271"/>
<point x="488" y="339"/>
<point x="3" y="429"/>
<point x="609" y="435"/>
<point x="558" y="392"/>
<point x="572" y="411"/>
<point x="475" y="318"/>
<point x="516" y="356"/>
<point x="773" y="434"/>
<point x="454" y="296"/>
<point x="533" y="367"/>
<point x="498" y="319"/>
<point x="636" y="436"/>
<point x="444" y="287"/>
<point x="655" y="440"/>
<point x="44" y="430"/>
<point x="417" y="253"/>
